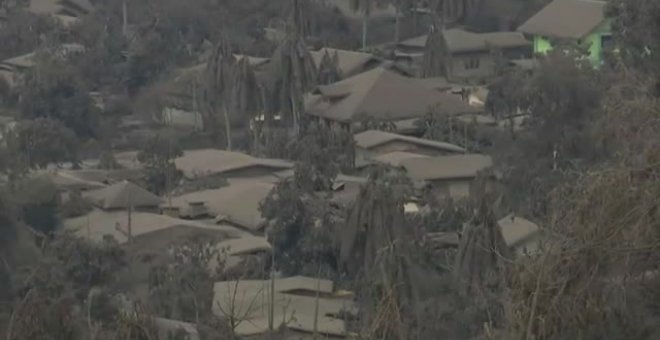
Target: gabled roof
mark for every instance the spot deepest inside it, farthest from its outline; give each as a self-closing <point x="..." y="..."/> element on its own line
<point x="123" y="195"/>
<point x="238" y="203"/>
<point x="206" y="162"/>
<point x="446" y="167"/>
<point x="373" y="138"/>
<point x="383" y="95"/>
<point x="350" y="62"/>
<point x="573" y="19"/>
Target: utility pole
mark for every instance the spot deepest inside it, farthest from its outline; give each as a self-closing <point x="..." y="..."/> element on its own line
<point x="130" y="212"/>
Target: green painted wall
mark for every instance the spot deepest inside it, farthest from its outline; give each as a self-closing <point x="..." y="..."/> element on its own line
<point x="543" y="45"/>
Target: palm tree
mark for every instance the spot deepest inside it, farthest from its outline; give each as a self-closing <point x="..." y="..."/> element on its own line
<point x="377" y="245"/>
<point x="483" y="253"/>
<point x="216" y="94"/>
<point x="434" y="52"/>
<point x="292" y="72"/>
<point x="246" y="96"/>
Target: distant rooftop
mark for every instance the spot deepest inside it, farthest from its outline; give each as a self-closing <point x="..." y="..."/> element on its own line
<point x="573" y="19"/>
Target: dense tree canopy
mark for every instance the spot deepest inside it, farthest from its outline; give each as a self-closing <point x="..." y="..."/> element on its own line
<point x="158" y="158"/>
<point x="54" y="90"/>
<point x="40" y="142"/>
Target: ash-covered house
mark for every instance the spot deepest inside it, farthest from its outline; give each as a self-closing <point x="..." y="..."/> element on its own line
<point x="450" y="176"/>
<point x="579" y="22"/>
<point x="379" y="95"/>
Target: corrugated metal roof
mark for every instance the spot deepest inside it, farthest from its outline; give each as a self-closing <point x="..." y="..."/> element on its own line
<point x="572" y="19"/>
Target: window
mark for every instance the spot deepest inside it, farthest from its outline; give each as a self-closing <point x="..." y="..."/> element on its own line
<point x="471" y="63"/>
<point x="607" y="42"/>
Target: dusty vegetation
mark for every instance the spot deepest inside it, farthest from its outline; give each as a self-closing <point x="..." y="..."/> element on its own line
<point x="585" y="165"/>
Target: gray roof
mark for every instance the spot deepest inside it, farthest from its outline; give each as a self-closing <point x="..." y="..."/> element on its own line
<point x="206" y="162"/>
<point x="67" y="181"/>
<point x="416" y="42"/>
<point x="123" y="195"/>
<point x="244" y="245"/>
<point x="516" y="230"/>
<point x="75" y="7"/>
<point x="350" y="62"/>
<point x="572" y="19"/>
<point x="372" y="138"/>
<point x="169" y="327"/>
<point x="446" y="167"/>
<point x="395" y="158"/>
<point x="98" y="223"/>
<point x="382" y="95"/>
<point x="238" y="203"/>
<point x="249" y="299"/>
<point x="458" y="40"/>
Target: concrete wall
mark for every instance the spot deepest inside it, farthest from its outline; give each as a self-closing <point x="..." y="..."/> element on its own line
<point x="455" y="189"/>
<point x="459" y="67"/>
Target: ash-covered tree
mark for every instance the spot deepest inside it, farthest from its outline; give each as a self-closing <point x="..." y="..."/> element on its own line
<point x="637" y="38"/>
<point x="293" y="71"/>
<point x="38" y="203"/>
<point x="379" y="249"/>
<point x="182" y="288"/>
<point x="40" y="142"/>
<point x="563" y="98"/>
<point x="158" y="157"/>
<point x="300" y="228"/>
<point x="54" y="90"/>
<point x="322" y="154"/>
<point x="218" y="91"/>
<point x="49" y="297"/>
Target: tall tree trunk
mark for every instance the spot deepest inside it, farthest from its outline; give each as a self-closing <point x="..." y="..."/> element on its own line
<point x="415" y="17"/>
<point x="397" y="25"/>
<point x="225" y="114"/>
<point x="365" y="27"/>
